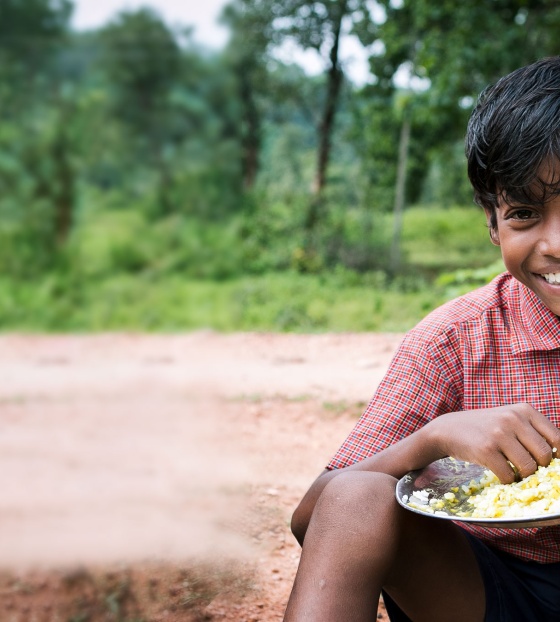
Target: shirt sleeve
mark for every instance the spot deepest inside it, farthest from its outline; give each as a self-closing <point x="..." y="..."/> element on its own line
<point x="422" y="382"/>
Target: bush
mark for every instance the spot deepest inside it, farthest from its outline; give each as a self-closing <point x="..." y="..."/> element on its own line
<point x="439" y="240"/>
<point x="462" y="281"/>
<point x="274" y="302"/>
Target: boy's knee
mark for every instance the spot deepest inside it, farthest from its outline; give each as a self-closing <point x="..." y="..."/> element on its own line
<point x="350" y="496"/>
<point x="359" y="509"/>
<point x="356" y="493"/>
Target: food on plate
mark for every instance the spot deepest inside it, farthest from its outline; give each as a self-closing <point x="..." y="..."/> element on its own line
<point x="536" y="495"/>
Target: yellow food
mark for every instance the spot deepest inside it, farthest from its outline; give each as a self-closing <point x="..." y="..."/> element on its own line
<point x="533" y="496"/>
<point x="536" y="495"/>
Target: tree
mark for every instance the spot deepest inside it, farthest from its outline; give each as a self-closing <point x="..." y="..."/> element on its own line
<point x="37" y="175"/>
<point x="30" y="34"/>
<point x="460" y="48"/>
<point x="142" y="60"/>
<point x="454" y="50"/>
<point x="250" y="22"/>
<point x="321" y="25"/>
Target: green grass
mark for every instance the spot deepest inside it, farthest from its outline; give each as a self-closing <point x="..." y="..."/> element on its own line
<point x="276" y="302"/>
<point x="446" y="252"/>
<point x="442" y="240"/>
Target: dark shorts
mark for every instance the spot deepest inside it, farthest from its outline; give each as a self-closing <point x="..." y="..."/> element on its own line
<point x="515" y="589"/>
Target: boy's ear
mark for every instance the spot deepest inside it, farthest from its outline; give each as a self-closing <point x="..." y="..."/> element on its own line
<point x="494" y="237"/>
<point x="492" y="229"/>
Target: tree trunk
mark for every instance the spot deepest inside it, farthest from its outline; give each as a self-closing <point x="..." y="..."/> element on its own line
<point x="64" y="193"/>
<point x="334" y="82"/>
<point x="326" y="125"/>
<point x="400" y="187"/>
<point x="165" y="186"/>
<point x="251" y="137"/>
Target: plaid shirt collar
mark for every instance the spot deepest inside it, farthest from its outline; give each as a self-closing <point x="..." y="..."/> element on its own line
<point x="534" y="326"/>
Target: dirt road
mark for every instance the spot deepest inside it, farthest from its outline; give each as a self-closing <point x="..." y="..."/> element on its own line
<point x="152" y="477"/>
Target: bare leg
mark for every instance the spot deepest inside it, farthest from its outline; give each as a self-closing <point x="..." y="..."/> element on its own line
<point x="360" y="540"/>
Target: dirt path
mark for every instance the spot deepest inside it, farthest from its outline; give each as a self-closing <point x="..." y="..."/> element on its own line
<point x="153" y="477"/>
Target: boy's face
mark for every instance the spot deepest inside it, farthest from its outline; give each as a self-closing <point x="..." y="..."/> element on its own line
<point x="529" y="238"/>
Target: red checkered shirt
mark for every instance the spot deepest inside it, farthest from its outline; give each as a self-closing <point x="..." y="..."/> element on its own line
<point x="497" y="345"/>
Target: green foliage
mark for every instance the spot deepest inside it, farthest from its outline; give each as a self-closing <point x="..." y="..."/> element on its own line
<point x="129" y="242"/>
<point x="338" y="302"/>
<point x="446" y="53"/>
<point x="37" y="163"/>
<point x="30" y="32"/>
<point x="462" y="281"/>
<point x="142" y="60"/>
<point x="314" y="24"/>
<point x="446" y="181"/>
<point x="246" y="58"/>
<point x="277" y="302"/>
<point x="38" y="171"/>
<point x="439" y="240"/>
<point x="123" y="271"/>
<point x="376" y="133"/>
<point x="148" y="183"/>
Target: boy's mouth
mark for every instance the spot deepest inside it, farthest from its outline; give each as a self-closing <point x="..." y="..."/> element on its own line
<point x="551" y="277"/>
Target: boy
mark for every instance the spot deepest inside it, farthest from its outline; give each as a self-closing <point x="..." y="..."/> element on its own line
<point x="479" y="380"/>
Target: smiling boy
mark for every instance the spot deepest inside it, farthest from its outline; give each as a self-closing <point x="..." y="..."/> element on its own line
<point x="478" y="379"/>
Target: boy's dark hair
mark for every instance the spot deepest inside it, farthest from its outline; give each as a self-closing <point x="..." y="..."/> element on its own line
<point x="513" y="132"/>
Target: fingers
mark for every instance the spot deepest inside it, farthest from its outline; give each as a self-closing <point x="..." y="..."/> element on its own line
<point x="531" y="446"/>
<point x="548" y="431"/>
<point x="527" y="451"/>
<point x="512" y="441"/>
<point x="502" y="469"/>
<point x="524" y="463"/>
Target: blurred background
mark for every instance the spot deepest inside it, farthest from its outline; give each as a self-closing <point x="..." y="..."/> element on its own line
<point x="265" y="166"/>
<point x="287" y="165"/>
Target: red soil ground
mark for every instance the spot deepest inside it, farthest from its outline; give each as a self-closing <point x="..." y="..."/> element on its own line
<point x="152" y="478"/>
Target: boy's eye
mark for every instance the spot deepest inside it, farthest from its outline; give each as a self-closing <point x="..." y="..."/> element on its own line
<point x="522" y="214"/>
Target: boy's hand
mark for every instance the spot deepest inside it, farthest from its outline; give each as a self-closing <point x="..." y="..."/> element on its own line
<point x="493" y="436"/>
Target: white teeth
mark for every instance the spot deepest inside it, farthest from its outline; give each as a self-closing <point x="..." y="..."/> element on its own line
<point x="552" y="277"/>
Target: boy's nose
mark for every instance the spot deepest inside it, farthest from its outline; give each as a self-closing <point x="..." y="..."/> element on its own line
<point x="550" y="238"/>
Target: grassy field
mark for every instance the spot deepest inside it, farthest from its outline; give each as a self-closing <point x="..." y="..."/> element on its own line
<point x="445" y="252"/>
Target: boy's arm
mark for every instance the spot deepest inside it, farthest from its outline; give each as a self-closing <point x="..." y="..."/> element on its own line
<point x="492" y="437"/>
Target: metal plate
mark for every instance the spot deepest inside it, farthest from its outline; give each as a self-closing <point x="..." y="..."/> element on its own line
<point x="443" y="475"/>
